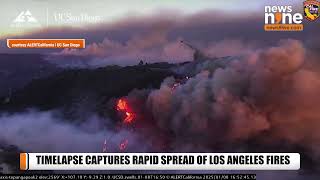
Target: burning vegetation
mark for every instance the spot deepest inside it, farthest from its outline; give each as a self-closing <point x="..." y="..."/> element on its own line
<point x="124" y="109"/>
<point x="222" y="106"/>
<point x="127" y="118"/>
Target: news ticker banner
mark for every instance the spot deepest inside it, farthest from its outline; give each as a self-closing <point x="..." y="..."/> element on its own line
<point x="159" y="161"/>
<point x="46" y="43"/>
<point x="130" y="176"/>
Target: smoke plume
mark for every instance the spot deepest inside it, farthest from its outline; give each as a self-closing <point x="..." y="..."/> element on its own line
<point x="268" y="94"/>
<point x="35" y="131"/>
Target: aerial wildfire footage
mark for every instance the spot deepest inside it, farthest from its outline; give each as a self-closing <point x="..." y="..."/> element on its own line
<point x="200" y="81"/>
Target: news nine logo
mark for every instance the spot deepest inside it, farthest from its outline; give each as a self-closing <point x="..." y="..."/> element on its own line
<point x="282" y="18"/>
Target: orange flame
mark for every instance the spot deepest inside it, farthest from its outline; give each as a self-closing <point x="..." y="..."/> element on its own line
<point x="129" y="117"/>
<point x="122" y="105"/>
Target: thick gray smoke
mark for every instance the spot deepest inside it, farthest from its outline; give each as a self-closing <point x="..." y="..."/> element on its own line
<point x="269" y="94"/>
<point x="157" y="39"/>
<point x="35" y="131"/>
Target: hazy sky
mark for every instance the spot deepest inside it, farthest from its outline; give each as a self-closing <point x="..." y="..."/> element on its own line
<point x="81" y="13"/>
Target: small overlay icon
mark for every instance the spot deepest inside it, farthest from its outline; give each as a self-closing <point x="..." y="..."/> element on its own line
<point x="24" y="20"/>
<point x="311" y="9"/>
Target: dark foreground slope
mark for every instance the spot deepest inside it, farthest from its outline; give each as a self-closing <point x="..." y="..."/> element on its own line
<point x="87" y="89"/>
<point x="16" y="70"/>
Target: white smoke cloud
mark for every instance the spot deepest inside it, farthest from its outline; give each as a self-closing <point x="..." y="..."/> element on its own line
<point x="153" y="46"/>
<point x="149" y="49"/>
<point x="35" y="131"/>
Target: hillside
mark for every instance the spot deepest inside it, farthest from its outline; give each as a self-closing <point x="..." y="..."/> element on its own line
<point x="85" y="88"/>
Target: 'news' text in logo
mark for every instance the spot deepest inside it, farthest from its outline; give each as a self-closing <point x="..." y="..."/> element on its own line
<point x="282" y="18"/>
